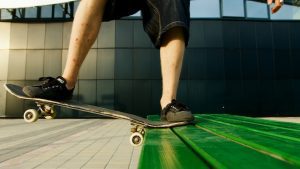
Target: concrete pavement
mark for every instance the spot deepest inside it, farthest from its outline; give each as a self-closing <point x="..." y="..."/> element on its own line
<point x="67" y="144"/>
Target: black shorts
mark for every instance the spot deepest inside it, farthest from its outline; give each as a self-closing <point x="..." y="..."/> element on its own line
<point x="159" y="16"/>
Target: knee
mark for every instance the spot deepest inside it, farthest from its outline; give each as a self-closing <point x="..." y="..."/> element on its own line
<point x="176" y="33"/>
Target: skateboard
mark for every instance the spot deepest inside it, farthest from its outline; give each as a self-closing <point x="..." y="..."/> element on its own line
<point x="45" y="109"/>
<point x="10" y="4"/>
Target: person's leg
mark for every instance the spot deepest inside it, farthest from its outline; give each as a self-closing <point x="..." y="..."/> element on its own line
<point x="85" y="29"/>
<point x="167" y="24"/>
<point x="171" y="55"/>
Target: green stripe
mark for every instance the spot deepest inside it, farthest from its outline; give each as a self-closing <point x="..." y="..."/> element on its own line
<point x="163" y="149"/>
<point x="263" y="129"/>
<point x="224" y="153"/>
<point x="283" y="125"/>
<point x="281" y="147"/>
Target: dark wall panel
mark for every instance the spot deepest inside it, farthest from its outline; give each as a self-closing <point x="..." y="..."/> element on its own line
<point x="240" y="67"/>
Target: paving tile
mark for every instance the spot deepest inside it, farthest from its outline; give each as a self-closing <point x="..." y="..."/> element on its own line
<point x="66" y="143"/>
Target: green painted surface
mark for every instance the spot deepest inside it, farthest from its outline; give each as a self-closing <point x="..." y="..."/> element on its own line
<point x="224" y="153"/>
<point x="223" y="141"/>
<point x="163" y="149"/>
<point x="275" y="144"/>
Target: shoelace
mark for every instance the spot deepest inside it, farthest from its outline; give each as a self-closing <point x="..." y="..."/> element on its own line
<point x="45" y="78"/>
<point x="178" y="106"/>
<point x="48" y="82"/>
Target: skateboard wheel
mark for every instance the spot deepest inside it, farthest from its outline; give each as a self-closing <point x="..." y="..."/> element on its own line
<point x="136" y="139"/>
<point x="31" y="115"/>
<point x="50" y="115"/>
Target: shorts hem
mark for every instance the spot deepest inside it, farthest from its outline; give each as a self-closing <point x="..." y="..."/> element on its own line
<point x="158" y="41"/>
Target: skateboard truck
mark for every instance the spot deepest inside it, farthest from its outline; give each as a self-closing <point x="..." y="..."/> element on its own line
<point x="44" y="110"/>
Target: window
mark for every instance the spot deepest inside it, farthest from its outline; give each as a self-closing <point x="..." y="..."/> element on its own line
<point x="20" y="13"/>
<point x="58" y="11"/>
<point x="205" y="8"/>
<point x="233" y="8"/>
<point x="287" y="12"/>
<point x="76" y="6"/>
<point x="31" y="13"/>
<point x="201" y="9"/>
<point x="138" y="14"/>
<point x="6" y="14"/>
<point x="46" y="12"/>
<point x="257" y="10"/>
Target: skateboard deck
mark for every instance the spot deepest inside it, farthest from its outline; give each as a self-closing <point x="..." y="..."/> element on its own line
<point x="46" y="109"/>
<point x="9" y="4"/>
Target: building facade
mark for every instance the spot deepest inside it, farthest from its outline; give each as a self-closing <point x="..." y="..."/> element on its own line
<point x="240" y="60"/>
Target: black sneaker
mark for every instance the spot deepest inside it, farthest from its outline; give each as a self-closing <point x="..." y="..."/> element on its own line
<point x="176" y="112"/>
<point x="51" y="88"/>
